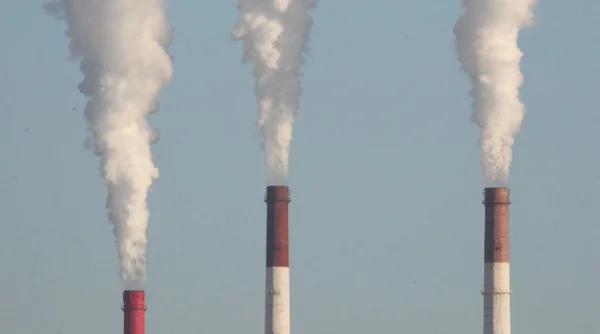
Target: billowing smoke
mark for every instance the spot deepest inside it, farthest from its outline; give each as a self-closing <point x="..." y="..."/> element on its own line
<point x="486" y="38"/>
<point x="275" y="35"/>
<point x="122" y="46"/>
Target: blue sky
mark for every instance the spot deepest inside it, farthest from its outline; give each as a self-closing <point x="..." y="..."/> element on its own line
<point x="386" y="215"/>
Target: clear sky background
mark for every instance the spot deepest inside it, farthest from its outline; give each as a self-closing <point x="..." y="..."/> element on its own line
<point x="386" y="215"/>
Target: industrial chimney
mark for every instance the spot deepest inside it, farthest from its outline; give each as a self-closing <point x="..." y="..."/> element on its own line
<point x="134" y="307"/>
<point x="496" y="287"/>
<point x="277" y="303"/>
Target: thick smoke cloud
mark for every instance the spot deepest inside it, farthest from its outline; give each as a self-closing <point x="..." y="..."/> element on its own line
<point x="275" y="35"/>
<point x="122" y="47"/>
<point x="486" y="39"/>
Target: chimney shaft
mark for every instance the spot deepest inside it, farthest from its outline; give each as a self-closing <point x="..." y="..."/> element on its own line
<point x="134" y="307"/>
<point x="277" y="301"/>
<point x="496" y="289"/>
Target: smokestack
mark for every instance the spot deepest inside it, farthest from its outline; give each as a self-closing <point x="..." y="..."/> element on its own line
<point x="496" y="288"/>
<point x="277" y="303"/>
<point x="134" y="307"/>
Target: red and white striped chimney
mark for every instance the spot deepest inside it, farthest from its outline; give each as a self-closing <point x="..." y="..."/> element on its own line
<point x="496" y="287"/>
<point x="277" y="301"/>
<point x="134" y="307"/>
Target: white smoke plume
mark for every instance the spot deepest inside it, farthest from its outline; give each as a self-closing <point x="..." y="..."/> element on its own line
<point x="486" y="39"/>
<point x="275" y="35"/>
<point x="122" y="46"/>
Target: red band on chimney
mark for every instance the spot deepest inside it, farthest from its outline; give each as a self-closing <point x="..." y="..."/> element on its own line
<point x="496" y="201"/>
<point x="134" y="307"/>
<point x="277" y="199"/>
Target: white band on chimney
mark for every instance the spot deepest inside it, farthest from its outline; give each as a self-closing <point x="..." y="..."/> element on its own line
<point x="277" y="301"/>
<point x="496" y="298"/>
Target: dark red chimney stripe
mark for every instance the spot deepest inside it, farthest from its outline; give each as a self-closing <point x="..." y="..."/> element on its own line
<point x="496" y="201"/>
<point x="277" y="199"/>
<point x="134" y="307"/>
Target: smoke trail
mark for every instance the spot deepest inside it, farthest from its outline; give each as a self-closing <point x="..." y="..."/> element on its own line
<point x="275" y="35"/>
<point x="486" y="39"/>
<point x="122" y="44"/>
